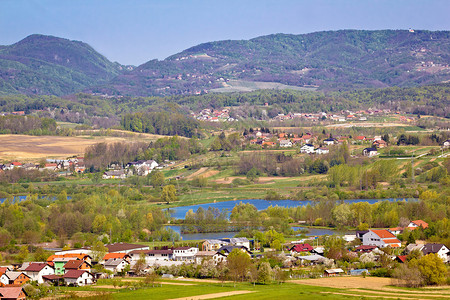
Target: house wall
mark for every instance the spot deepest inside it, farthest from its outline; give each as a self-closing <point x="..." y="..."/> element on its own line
<point x="371" y="239"/>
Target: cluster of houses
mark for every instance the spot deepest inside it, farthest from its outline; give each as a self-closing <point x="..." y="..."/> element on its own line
<point x="213" y="115"/>
<point x="140" y="168"/>
<point x="75" y="164"/>
<point x="75" y="267"/>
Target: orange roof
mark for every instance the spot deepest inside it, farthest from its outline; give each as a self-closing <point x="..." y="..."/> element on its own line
<point x="420" y="223"/>
<point x="396" y="228"/>
<point x="383" y="233"/>
<point x="114" y="255"/>
<point x="68" y="255"/>
<point x="392" y="241"/>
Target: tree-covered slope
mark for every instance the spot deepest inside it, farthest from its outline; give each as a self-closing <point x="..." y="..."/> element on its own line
<point x="344" y="59"/>
<point x="42" y="64"/>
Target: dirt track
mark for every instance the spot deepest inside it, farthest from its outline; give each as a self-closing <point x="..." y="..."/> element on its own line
<point x="212" y="296"/>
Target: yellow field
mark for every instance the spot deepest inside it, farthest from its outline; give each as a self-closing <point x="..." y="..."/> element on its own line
<point x="32" y="148"/>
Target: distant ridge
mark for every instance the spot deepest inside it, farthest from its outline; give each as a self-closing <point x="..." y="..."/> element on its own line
<point x="328" y="60"/>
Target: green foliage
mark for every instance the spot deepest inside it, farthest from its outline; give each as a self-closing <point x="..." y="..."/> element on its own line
<point x="264" y="273"/>
<point x="169" y="193"/>
<point x="432" y="269"/>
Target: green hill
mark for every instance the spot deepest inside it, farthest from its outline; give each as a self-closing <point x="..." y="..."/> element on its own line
<point x="42" y="64"/>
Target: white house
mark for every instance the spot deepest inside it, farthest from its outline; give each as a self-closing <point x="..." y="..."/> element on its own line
<point x="417" y="223"/>
<point x="370" y="152"/>
<point x="211" y="245"/>
<point x="322" y="150"/>
<point x="115" y="265"/>
<point x="440" y="249"/>
<point x="307" y="148"/>
<point x="184" y="253"/>
<point x="36" y="270"/>
<point x="78" y="277"/>
<point x="380" y="238"/>
<point x="151" y="255"/>
<point x="242" y="241"/>
<point x="114" y="174"/>
<point x="330" y="141"/>
<point x="285" y="143"/>
<point x="143" y="167"/>
<point x="201" y="255"/>
<point x="446" y="144"/>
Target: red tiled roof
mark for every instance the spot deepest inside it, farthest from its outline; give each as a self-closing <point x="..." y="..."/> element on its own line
<point x="383" y="233"/>
<point x="302" y="248"/>
<point x="73" y="264"/>
<point x="420" y="223"/>
<point x="10" y="292"/>
<point x="74" y="273"/>
<point x="36" y="267"/>
<point x="68" y="255"/>
<point x="402" y="258"/>
<point x="3" y="270"/>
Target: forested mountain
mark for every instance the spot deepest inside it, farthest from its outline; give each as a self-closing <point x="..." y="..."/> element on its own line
<point x="42" y="64"/>
<point x="329" y="60"/>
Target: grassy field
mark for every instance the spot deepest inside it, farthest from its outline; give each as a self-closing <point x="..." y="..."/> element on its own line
<point x="323" y="288"/>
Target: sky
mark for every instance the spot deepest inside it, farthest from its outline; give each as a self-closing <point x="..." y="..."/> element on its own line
<point x="136" y="31"/>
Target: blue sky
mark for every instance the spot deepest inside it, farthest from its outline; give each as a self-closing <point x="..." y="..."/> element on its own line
<point x="136" y="31"/>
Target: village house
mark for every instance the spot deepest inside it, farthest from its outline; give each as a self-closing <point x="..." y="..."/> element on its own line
<point x="124" y="256"/>
<point x="446" y="144"/>
<point x="184" y="253"/>
<point x="115" y="265"/>
<point x="78" y="277"/>
<point x="241" y="241"/>
<point x="370" y="152"/>
<point x="330" y="141"/>
<point x="151" y="255"/>
<point x="307" y="148"/>
<point x="58" y="264"/>
<point x="301" y="248"/>
<point x="285" y="143"/>
<point x="13" y="278"/>
<point x="213" y="245"/>
<point x="440" y="249"/>
<point x="380" y="238"/>
<point x="77" y="265"/>
<point x="322" y="150"/>
<point x="333" y="272"/>
<point x="202" y="255"/>
<point x="113" y="174"/>
<point x="12" y="293"/>
<point x="143" y="167"/>
<point x="417" y="223"/>
<point x="36" y="270"/>
<point x="379" y="144"/>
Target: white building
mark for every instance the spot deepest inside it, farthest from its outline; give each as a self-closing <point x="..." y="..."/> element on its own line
<point x="78" y="277"/>
<point x="440" y="249"/>
<point x="151" y="256"/>
<point x="307" y="148"/>
<point x="285" y="143"/>
<point x="115" y="265"/>
<point x="184" y="253"/>
<point x="380" y="238"/>
<point x="322" y="150"/>
<point x="36" y="270"/>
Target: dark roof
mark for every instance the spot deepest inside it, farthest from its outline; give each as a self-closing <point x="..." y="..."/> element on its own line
<point x="360" y="233"/>
<point x="370" y="149"/>
<point x="36" y="267"/>
<point x="432" y="248"/>
<point x="52" y="277"/>
<point x="229" y="248"/>
<point x="117" y="247"/>
<point x="74" y="273"/>
<point x="365" y="248"/>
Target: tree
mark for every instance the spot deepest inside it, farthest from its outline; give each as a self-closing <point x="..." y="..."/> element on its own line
<point x="253" y="174"/>
<point x="156" y="178"/>
<point x="23" y="254"/>
<point x="433" y="269"/>
<point x="98" y="251"/>
<point x="264" y="273"/>
<point x="238" y="261"/>
<point x="169" y="193"/>
<point x="140" y="264"/>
